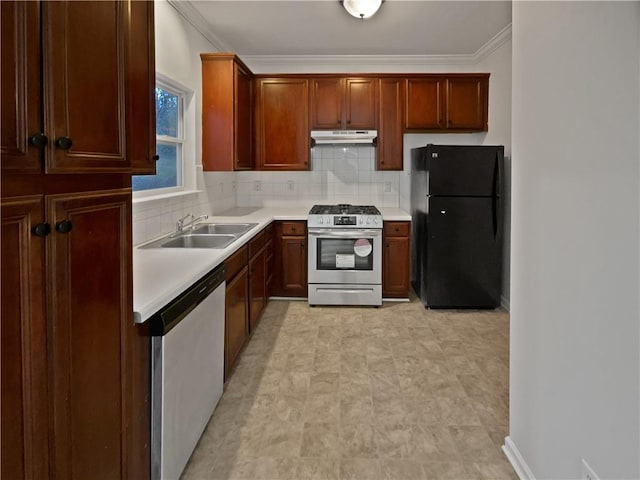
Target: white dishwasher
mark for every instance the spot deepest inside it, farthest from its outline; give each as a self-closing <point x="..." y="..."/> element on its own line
<point x="187" y="346"/>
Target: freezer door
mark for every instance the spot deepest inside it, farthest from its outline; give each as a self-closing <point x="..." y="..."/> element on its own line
<point x="464" y="170"/>
<point x="462" y="266"/>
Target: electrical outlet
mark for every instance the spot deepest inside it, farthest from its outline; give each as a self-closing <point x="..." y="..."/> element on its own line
<point x="257" y="185"/>
<point x="290" y="185"/>
<point x="587" y="472"/>
<point x="387" y="186"/>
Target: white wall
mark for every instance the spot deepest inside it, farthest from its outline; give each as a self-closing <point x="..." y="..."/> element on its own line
<point x="575" y="316"/>
<point x="178" y="48"/>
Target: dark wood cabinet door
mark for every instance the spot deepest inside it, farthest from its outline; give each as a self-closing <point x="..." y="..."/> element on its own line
<point x="257" y="284"/>
<point x="294" y="266"/>
<point x="326" y="103"/>
<point x="289" y="259"/>
<point x="390" y="132"/>
<point x="396" y="267"/>
<point x="243" y="120"/>
<point x="466" y="103"/>
<point x="84" y="62"/>
<point x="21" y="98"/>
<point x="89" y="293"/>
<point x="141" y="82"/>
<point x="282" y="124"/>
<point x="360" y="103"/>
<point x="236" y="318"/>
<point x="424" y="104"/>
<point x="24" y="351"/>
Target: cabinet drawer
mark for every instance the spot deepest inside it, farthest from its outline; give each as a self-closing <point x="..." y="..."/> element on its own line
<point x="294" y="228"/>
<point x="235" y="263"/>
<point x="256" y="243"/>
<point x="397" y="229"/>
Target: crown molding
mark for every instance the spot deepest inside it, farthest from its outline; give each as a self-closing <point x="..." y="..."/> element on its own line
<point x="193" y="17"/>
<point x="499" y="39"/>
<point x="351" y="63"/>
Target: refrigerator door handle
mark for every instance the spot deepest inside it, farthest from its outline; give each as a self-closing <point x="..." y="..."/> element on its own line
<point x="497" y="177"/>
<point x="496" y="205"/>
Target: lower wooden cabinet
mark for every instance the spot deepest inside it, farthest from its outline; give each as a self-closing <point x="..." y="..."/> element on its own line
<point x="24" y="350"/>
<point x="236" y="324"/>
<point x="257" y="279"/>
<point x="290" y="259"/>
<point x="396" y="259"/>
<point x="247" y="293"/>
<point x="72" y="401"/>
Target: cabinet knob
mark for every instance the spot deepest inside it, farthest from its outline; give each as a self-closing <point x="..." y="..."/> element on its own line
<point x="64" y="143"/>
<point x="64" y="226"/>
<point x="302" y="244"/>
<point x="41" y="229"/>
<point x="156" y="157"/>
<point x="38" y="140"/>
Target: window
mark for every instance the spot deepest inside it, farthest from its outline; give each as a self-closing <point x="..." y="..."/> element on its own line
<point x="169" y="143"/>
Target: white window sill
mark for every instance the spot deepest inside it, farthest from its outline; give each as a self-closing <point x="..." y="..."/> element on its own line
<point x="162" y="196"/>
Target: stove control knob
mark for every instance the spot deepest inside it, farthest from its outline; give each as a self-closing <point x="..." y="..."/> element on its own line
<point x="321" y="221"/>
<point x="375" y="220"/>
<point x="368" y="221"/>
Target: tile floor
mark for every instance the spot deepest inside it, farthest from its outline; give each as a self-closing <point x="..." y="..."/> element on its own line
<point x="398" y="392"/>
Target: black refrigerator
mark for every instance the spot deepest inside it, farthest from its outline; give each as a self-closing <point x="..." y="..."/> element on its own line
<point x="456" y="209"/>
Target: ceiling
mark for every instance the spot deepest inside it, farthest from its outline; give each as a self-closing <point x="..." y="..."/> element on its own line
<point x="312" y="27"/>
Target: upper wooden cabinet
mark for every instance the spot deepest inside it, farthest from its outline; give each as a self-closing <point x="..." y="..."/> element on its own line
<point x="21" y="87"/>
<point x="424" y="104"/>
<point x="390" y="131"/>
<point x="52" y="72"/>
<point x="226" y="113"/>
<point x="451" y="102"/>
<point x="141" y="83"/>
<point x="343" y="103"/>
<point x="467" y="102"/>
<point x="282" y="123"/>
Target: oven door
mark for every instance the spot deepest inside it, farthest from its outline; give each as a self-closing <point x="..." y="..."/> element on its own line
<point x="351" y="256"/>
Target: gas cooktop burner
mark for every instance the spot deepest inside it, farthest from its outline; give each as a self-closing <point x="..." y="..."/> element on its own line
<point x="344" y="209"/>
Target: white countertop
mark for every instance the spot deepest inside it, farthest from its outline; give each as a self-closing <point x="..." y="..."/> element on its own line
<point x="161" y="274"/>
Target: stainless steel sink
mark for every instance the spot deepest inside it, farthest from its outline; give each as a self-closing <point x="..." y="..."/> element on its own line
<point x="208" y="235"/>
<point x="192" y="240"/>
<point x="223" y="228"/>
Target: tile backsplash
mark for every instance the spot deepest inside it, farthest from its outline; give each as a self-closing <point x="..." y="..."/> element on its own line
<point x="338" y="175"/>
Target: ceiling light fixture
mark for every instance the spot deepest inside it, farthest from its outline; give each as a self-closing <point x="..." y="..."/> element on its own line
<point x="361" y="8"/>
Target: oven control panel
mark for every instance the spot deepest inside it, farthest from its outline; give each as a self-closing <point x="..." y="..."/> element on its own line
<point x="345" y="220"/>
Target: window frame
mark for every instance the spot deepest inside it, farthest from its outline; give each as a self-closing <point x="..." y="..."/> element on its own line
<point x="184" y="95"/>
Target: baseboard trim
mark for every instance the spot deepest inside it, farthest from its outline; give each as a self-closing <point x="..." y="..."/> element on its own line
<point x="517" y="462"/>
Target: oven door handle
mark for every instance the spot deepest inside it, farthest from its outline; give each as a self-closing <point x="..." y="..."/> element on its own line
<point x="344" y="234"/>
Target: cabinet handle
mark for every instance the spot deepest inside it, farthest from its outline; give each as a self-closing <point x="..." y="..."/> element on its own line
<point x="156" y="158"/>
<point x="64" y="226"/>
<point x="38" y="140"/>
<point x="41" y="229"/>
<point x="64" y="143"/>
<point x="302" y="244"/>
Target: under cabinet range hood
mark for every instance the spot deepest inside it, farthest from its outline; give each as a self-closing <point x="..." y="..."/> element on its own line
<point x="342" y="137"/>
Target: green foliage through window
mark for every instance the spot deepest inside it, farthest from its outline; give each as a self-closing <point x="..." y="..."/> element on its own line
<point x="168" y="146"/>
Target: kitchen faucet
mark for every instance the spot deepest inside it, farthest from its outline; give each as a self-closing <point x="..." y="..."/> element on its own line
<point x="183" y="222"/>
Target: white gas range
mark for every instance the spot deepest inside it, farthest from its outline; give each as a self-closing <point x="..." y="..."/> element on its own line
<point x="345" y="255"/>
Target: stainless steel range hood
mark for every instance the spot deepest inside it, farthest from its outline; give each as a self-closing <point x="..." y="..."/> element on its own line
<point x="342" y="137"/>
